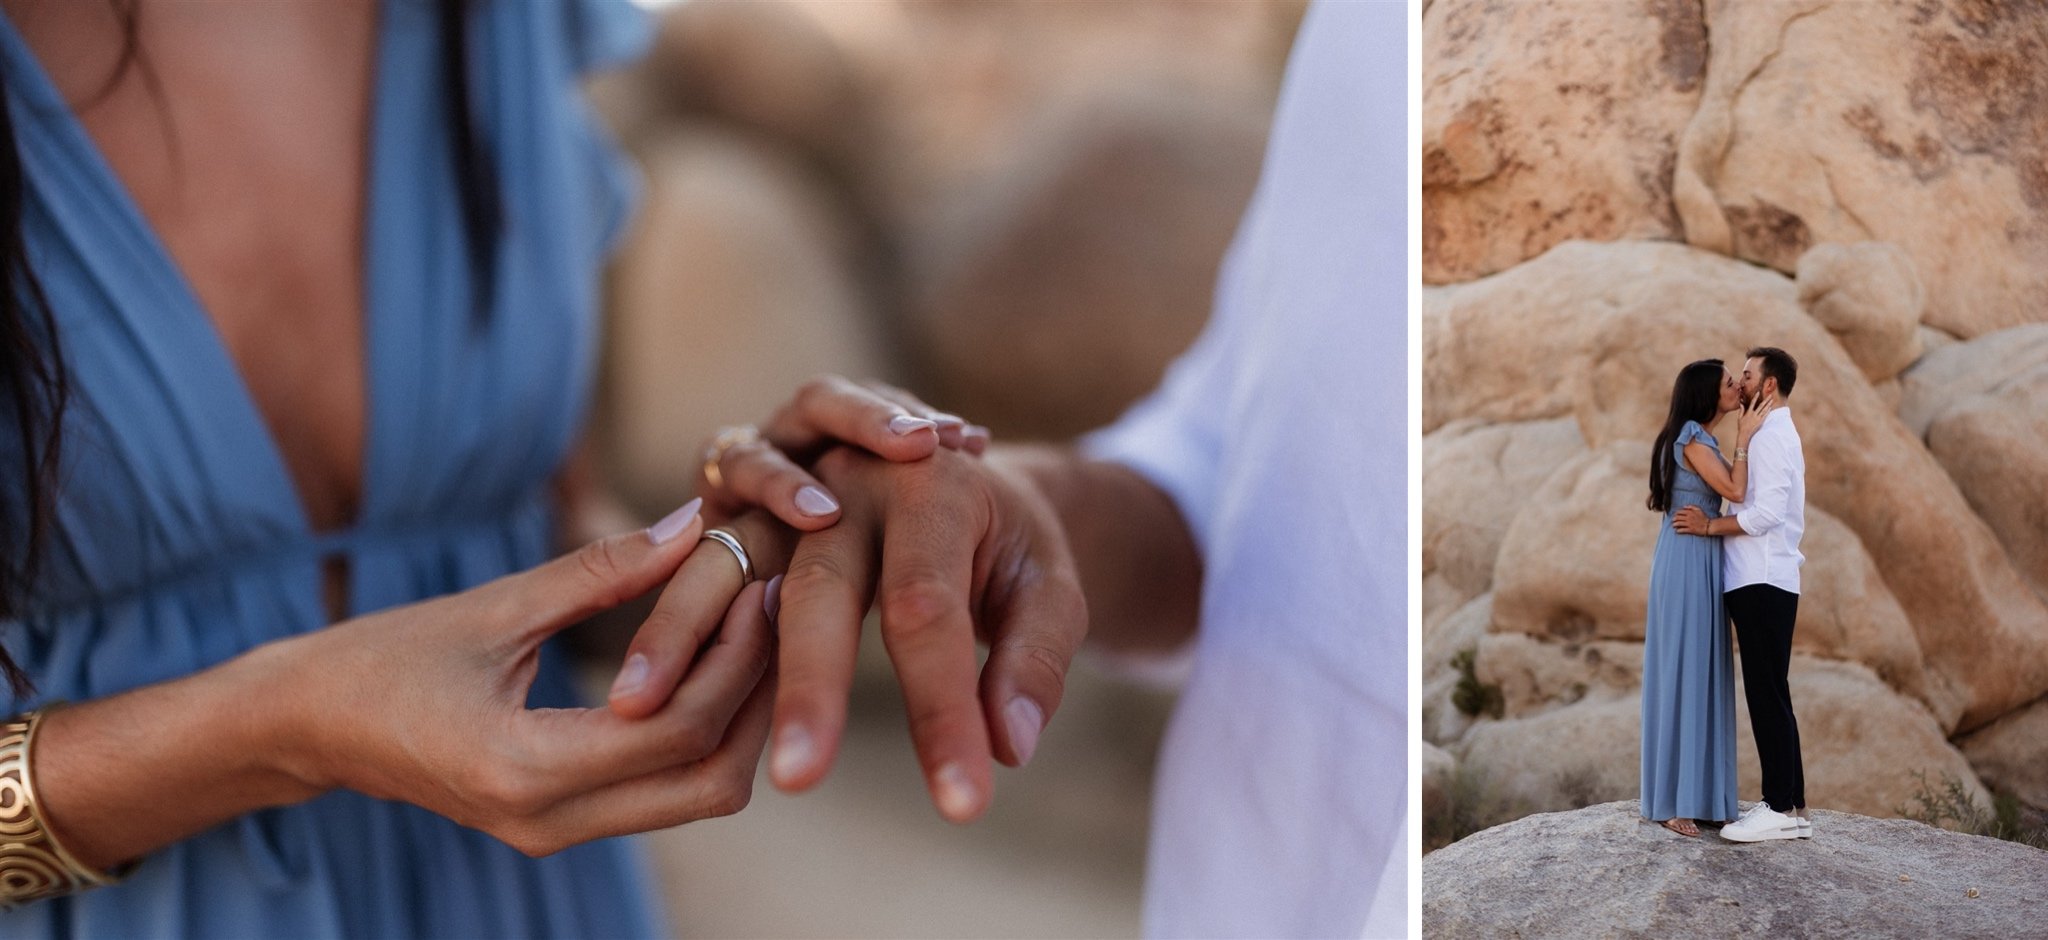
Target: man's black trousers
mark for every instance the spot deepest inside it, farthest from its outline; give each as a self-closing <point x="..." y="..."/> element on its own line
<point x="1763" y="618"/>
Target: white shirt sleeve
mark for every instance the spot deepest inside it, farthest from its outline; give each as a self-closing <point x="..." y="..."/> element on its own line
<point x="1770" y="479"/>
<point x="1174" y="437"/>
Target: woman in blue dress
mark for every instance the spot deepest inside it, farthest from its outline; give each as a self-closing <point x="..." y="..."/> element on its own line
<point x="296" y="338"/>
<point x="1688" y="756"/>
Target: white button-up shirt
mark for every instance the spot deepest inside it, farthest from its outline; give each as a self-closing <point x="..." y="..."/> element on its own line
<point x="1773" y="517"/>
<point x="1282" y="784"/>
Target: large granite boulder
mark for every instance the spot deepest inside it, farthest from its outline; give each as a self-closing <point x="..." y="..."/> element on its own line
<point x="1602" y="872"/>
<point x="2010" y="753"/>
<point x="1543" y="122"/>
<point x="1869" y="296"/>
<point x="1476" y="477"/>
<point x="1050" y="297"/>
<point x="1864" y="746"/>
<point x="1613" y="190"/>
<point x="1027" y="202"/>
<point x="1982" y="407"/>
<point x="1599" y="589"/>
<point x="1589" y="330"/>
<point x="1916" y="123"/>
<point x="775" y="69"/>
<point x="736" y="286"/>
<point x="1438" y="767"/>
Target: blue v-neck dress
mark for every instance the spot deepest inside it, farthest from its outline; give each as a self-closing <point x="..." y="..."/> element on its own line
<point x="1688" y="756"/>
<point x="182" y="542"/>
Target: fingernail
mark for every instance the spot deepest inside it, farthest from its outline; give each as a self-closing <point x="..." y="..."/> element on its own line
<point x="794" y="753"/>
<point x="1024" y="719"/>
<point x="952" y="419"/>
<point x="771" y="600"/>
<point x="812" y="501"/>
<point x="674" y="523"/>
<point x="904" y="424"/>
<point x="631" y="677"/>
<point x="955" y="794"/>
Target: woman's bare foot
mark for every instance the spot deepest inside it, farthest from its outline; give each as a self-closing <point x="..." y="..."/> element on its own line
<point x="1684" y="827"/>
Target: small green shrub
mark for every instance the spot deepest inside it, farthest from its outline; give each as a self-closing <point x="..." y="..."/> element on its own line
<point x="1472" y="696"/>
<point x="1948" y="804"/>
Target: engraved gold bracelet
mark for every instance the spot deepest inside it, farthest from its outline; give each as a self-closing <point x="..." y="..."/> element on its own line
<point x="33" y="864"/>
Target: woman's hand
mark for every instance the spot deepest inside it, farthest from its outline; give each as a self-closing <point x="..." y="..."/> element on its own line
<point x="745" y="466"/>
<point x="1752" y="417"/>
<point x="427" y="704"/>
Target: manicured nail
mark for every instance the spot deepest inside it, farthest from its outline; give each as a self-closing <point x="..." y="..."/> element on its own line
<point x="631" y="677"/>
<point x="955" y="794"/>
<point x="812" y="501"/>
<point x="904" y="424"/>
<point x="674" y="523"/>
<point x="771" y="599"/>
<point x="794" y="754"/>
<point x="1024" y="720"/>
<point x="952" y="419"/>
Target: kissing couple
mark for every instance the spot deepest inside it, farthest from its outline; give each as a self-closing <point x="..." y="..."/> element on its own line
<point x="1711" y="568"/>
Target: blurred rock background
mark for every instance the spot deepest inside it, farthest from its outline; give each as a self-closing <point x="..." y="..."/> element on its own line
<point x="1611" y="190"/>
<point x="1016" y="210"/>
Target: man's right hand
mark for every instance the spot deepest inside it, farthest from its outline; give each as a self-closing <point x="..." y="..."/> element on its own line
<point x="951" y="548"/>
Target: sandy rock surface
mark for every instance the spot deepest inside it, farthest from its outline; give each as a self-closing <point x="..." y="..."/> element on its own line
<point x="1602" y="872"/>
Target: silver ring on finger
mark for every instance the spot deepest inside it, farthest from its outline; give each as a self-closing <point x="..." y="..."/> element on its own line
<point x="731" y="541"/>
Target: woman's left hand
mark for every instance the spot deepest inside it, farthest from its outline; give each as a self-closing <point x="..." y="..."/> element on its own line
<point x="686" y="618"/>
<point x="745" y="466"/>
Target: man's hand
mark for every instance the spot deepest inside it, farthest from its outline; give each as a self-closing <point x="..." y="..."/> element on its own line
<point x="1690" y="520"/>
<point x="952" y="549"/>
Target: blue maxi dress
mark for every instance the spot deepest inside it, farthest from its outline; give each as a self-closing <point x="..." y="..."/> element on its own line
<point x="1688" y="664"/>
<point x="181" y="539"/>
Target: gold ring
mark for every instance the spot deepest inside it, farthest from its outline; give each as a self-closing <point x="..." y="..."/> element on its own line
<point x="726" y="439"/>
<point x="731" y="541"/>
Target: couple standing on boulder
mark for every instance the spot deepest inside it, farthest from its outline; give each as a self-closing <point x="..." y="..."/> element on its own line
<point x="1710" y="568"/>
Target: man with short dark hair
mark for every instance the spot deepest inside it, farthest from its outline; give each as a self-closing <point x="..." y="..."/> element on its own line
<point x="1760" y="562"/>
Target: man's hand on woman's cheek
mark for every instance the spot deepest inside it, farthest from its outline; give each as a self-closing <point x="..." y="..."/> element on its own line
<point x="951" y="549"/>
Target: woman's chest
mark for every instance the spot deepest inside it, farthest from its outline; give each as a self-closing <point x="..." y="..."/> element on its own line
<point x="186" y="396"/>
<point x="243" y="145"/>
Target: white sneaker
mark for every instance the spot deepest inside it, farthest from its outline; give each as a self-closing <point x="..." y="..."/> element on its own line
<point x="1805" y="827"/>
<point x="1759" y="824"/>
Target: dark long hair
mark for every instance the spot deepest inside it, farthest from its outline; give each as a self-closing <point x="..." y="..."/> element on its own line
<point x="1696" y="396"/>
<point x="33" y="380"/>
